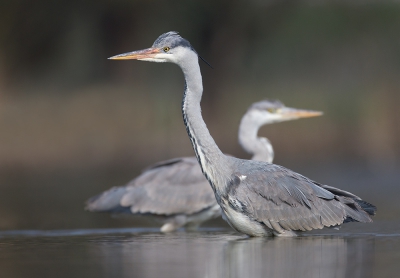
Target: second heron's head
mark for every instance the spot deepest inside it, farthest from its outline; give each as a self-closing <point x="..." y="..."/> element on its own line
<point x="169" y="47"/>
<point x="272" y="111"/>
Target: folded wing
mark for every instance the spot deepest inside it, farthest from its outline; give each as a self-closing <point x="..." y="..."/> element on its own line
<point x="170" y="187"/>
<point x="284" y="200"/>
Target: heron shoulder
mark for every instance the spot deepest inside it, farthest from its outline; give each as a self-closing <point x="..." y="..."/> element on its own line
<point x="176" y="171"/>
<point x="172" y="162"/>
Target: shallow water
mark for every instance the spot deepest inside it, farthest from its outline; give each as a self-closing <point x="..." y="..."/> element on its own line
<point x="52" y="201"/>
<point x="354" y="251"/>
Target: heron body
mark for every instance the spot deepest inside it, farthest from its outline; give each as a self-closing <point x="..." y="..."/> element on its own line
<point x="175" y="192"/>
<point x="257" y="198"/>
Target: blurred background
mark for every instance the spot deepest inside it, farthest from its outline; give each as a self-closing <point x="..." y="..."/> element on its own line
<point x="73" y="123"/>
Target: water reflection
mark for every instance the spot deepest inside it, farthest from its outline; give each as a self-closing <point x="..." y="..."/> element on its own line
<point x="230" y="255"/>
<point x="304" y="257"/>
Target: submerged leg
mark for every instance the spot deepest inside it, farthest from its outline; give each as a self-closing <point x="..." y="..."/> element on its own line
<point x="169" y="227"/>
<point x="173" y="224"/>
<point x="285" y="234"/>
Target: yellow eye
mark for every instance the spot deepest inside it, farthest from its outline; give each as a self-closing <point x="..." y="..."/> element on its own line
<point x="272" y="110"/>
<point x="166" y="49"/>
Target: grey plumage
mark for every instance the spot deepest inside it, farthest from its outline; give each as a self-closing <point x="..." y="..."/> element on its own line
<point x="256" y="198"/>
<point x="176" y="191"/>
<point x="173" y="192"/>
<point x="171" y="187"/>
<point x="291" y="201"/>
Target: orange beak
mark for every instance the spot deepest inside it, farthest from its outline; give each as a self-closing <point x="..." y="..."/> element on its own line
<point x="137" y="55"/>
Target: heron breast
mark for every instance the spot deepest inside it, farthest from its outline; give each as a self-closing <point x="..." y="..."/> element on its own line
<point x="242" y="223"/>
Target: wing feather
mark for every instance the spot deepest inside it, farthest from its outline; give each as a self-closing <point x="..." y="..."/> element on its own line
<point x="285" y="200"/>
<point x="173" y="187"/>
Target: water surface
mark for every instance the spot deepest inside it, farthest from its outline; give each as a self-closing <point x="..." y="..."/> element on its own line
<point x="355" y="251"/>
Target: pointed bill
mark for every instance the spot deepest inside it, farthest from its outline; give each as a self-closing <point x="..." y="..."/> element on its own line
<point x="288" y="112"/>
<point x="137" y="55"/>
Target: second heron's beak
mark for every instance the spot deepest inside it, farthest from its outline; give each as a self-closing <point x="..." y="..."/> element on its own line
<point x="293" y="113"/>
<point x="137" y="55"/>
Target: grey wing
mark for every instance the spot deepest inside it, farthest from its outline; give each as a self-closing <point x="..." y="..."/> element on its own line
<point x="172" y="187"/>
<point x="169" y="187"/>
<point x="367" y="207"/>
<point x="284" y="200"/>
<point x="108" y="201"/>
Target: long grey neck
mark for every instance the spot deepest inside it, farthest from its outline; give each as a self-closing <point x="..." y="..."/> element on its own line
<point x="259" y="147"/>
<point x="212" y="160"/>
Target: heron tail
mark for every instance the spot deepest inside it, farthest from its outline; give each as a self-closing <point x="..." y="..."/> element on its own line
<point x="367" y="207"/>
<point x="108" y="201"/>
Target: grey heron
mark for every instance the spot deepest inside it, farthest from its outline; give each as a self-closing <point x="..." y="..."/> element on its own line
<point x="175" y="192"/>
<point x="257" y="198"/>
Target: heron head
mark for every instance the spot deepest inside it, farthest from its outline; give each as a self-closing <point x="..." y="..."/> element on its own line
<point x="272" y="111"/>
<point x="169" y="47"/>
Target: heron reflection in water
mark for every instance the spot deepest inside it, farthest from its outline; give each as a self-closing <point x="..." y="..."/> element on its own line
<point x="227" y="254"/>
<point x="175" y="192"/>
<point x="257" y="198"/>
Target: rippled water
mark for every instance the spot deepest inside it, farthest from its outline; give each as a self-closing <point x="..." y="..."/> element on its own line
<point x="355" y="251"/>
